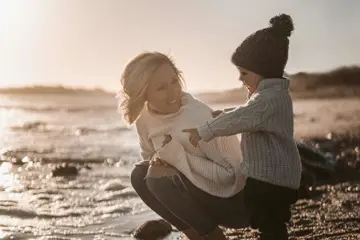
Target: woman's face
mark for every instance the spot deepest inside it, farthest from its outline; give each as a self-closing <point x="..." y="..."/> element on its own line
<point x="164" y="91"/>
<point x="250" y="79"/>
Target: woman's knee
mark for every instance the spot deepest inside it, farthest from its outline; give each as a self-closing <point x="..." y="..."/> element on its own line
<point x="137" y="177"/>
<point x="159" y="186"/>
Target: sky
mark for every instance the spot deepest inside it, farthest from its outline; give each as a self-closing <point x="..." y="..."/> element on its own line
<point x="87" y="43"/>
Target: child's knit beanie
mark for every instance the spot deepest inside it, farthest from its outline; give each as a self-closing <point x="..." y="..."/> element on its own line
<point x="265" y="52"/>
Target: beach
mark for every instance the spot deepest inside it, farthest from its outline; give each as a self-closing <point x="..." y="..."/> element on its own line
<point x="41" y="133"/>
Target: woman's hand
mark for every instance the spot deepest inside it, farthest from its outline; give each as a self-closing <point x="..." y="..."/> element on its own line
<point x="159" y="167"/>
<point x="194" y="137"/>
<point x="158" y="162"/>
<point x="167" y="139"/>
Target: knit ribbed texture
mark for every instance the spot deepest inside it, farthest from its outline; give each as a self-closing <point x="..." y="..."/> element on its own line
<point x="214" y="166"/>
<point x="267" y="142"/>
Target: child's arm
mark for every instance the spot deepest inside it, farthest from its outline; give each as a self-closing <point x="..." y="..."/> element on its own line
<point x="249" y="117"/>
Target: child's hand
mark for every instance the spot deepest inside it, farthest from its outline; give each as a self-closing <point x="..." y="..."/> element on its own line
<point x="157" y="161"/>
<point x="217" y="113"/>
<point x="167" y="139"/>
<point x="194" y="137"/>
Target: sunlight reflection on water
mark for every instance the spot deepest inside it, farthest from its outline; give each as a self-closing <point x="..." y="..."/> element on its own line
<point x="7" y="179"/>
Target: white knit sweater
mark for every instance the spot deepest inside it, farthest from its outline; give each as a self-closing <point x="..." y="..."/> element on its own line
<point x="266" y="124"/>
<point x="213" y="167"/>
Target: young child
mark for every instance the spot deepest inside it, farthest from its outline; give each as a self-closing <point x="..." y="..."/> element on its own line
<point x="271" y="160"/>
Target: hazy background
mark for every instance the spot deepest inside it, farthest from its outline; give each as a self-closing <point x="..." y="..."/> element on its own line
<point x="88" y="42"/>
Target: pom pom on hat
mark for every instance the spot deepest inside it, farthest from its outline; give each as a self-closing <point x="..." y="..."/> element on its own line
<point x="282" y="24"/>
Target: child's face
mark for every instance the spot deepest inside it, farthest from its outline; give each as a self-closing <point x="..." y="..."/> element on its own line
<point x="164" y="91"/>
<point x="250" y="79"/>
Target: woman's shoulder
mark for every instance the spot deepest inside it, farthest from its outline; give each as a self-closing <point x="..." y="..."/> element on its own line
<point x="193" y="102"/>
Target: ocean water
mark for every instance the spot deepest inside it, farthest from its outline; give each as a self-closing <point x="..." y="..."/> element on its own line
<point x="40" y="132"/>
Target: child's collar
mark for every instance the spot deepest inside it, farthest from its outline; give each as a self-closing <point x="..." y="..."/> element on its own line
<point x="276" y="83"/>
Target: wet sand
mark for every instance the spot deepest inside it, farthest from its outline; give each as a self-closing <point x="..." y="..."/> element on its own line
<point x="314" y="118"/>
<point x="334" y="214"/>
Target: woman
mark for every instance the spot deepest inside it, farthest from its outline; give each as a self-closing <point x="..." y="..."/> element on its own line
<point x="196" y="189"/>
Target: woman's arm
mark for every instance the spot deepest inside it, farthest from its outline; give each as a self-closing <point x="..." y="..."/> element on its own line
<point x="147" y="151"/>
<point x="157" y="168"/>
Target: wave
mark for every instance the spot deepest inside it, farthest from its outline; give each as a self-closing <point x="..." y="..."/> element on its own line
<point x="20" y="157"/>
<point x="85" y="130"/>
<point x="8" y="153"/>
<point x="40" y="126"/>
<point x="34" y="156"/>
<point x="30" y="126"/>
<point x="60" y="109"/>
<point x="50" y="208"/>
<point x="27" y="213"/>
<point x="16" y="212"/>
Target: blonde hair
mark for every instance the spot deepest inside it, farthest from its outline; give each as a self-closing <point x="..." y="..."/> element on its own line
<point x="135" y="80"/>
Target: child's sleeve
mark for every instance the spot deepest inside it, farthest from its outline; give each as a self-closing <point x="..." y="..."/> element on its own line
<point x="246" y="118"/>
